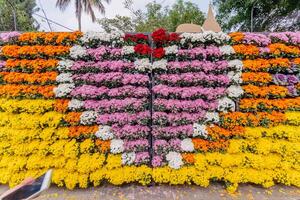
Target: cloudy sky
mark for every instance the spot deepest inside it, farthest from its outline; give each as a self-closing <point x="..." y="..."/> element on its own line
<point x="68" y="19"/>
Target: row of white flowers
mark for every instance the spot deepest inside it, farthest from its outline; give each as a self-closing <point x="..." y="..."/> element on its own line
<point x="118" y="36"/>
<point x="216" y="37"/>
<point x="115" y="36"/>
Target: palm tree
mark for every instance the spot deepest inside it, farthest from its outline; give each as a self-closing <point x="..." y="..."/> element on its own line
<point x="83" y="5"/>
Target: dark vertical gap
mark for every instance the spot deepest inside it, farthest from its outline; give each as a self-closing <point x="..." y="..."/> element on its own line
<point x="151" y="77"/>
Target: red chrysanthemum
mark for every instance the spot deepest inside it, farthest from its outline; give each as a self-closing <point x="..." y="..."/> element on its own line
<point x="160" y="36"/>
<point x="159" y="52"/>
<point x="142" y="49"/>
<point x="174" y="37"/>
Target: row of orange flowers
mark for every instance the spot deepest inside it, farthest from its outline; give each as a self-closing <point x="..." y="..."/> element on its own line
<point x="28" y="91"/>
<point x="49" y="38"/>
<point x="36" y="65"/>
<point x="31" y="78"/>
<point x="270" y="104"/>
<point x="256" y="77"/>
<point x="276" y="49"/>
<point x="15" y="51"/>
<point x="266" y="64"/>
<point x="232" y="119"/>
<point x="265" y="91"/>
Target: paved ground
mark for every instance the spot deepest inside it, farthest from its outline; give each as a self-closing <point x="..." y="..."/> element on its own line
<point x="129" y="192"/>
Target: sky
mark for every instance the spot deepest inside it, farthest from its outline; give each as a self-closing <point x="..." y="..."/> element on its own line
<point x="68" y="19"/>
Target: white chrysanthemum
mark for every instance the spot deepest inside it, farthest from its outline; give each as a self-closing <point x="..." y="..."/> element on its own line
<point x="184" y="37"/>
<point x="65" y="65"/>
<point x="197" y="37"/>
<point x="225" y="104"/>
<point x="235" y="91"/>
<point x="93" y="35"/>
<point x="171" y="49"/>
<point x="63" y="90"/>
<point x="236" y="64"/>
<point x="102" y="36"/>
<point x="235" y="77"/>
<point x="187" y="145"/>
<point x="174" y="160"/>
<point x="218" y="37"/>
<point x="64" y="78"/>
<point x="128" y="158"/>
<point x="104" y="133"/>
<point x="117" y="35"/>
<point x="212" y="117"/>
<point x="77" y="51"/>
<point x="88" y="117"/>
<point x="143" y="64"/>
<point x="161" y="64"/>
<point x="75" y="104"/>
<point x="116" y="146"/>
<point x="199" y="130"/>
<point x="227" y="50"/>
<point x="127" y="50"/>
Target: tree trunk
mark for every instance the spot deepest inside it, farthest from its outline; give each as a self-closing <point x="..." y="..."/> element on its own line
<point x="79" y="20"/>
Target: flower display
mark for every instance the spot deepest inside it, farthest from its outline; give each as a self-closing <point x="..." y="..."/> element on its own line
<point x="169" y="108"/>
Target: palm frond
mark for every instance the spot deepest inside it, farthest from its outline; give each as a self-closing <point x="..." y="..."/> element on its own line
<point x="78" y="7"/>
<point x="62" y="4"/>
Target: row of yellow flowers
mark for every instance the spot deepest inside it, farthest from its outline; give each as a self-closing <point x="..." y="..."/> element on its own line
<point x="94" y="168"/>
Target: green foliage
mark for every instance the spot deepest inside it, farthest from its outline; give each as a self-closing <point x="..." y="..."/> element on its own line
<point x="185" y="12"/>
<point x="155" y="17"/>
<point x="268" y="15"/>
<point x="24" y="10"/>
<point x="122" y="23"/>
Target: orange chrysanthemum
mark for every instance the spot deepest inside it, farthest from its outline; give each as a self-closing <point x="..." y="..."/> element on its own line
<point x="217" y="131"/>
<point x="15" y="51"/>
<point x="41" y="78"/>
<point x="232" y="119"/>
<point x="72" y="117"/>
<point x="246" y="49"/>
<point x="278" y="48"/>
<point x="297" y="61"/>
<point x="36" y="65"/>
<point x="206" y="145"/>
<point x="270" y="104"/>
<point x="265" y="91"/>
<point x="236" y="36"/>
<point x="256" y="77"/>
<point x="76" y="131"/>
<point x="61" y="105"/>
<point x="104" y="146"/>
<point x="265" y="64"/>
<point x="49" y="38"/>
<point x="188" y="158"/>
<point x="26" y="90"/>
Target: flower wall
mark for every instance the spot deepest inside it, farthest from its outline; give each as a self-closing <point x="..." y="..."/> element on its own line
<point x="162" y="108"/>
